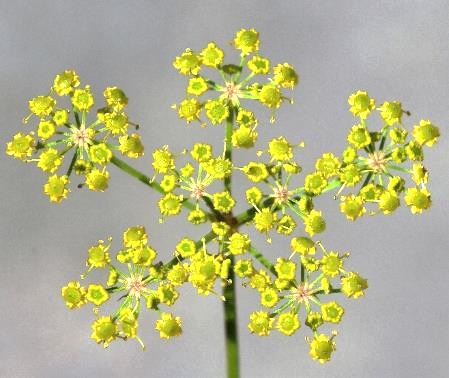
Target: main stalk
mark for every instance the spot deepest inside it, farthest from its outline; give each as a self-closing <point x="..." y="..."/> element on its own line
<point x="229" y="293"/>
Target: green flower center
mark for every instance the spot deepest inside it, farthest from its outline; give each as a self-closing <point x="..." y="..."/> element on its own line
<point x="171" y="203"/>
<point x="188" y="109"/>
<point x="170" y="327"/>
<point x="72" y="295"/>
<point x="248" y="38"/>
<point x="208" y="270"/>
<point x="96" y="254"/>
<point x="332" y="263"/>
<point x="288" y="323"/>
<point x="323" y="349"/>
<point x="362" y="102"/>
<point x="106" y="330"/>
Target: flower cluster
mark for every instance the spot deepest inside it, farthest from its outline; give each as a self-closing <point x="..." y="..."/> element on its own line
<point x="63" y="128"/>
<point x="299" y="287"/>
<point x="140" y="281"/>
<point x="227" y="93"/>
<point x="294" y="290"/>
<point x="374" y="161"/>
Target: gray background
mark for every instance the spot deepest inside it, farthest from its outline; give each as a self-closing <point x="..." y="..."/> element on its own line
<point x="395" y="50"/>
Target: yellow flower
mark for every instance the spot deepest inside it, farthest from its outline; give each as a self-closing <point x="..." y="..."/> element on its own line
<point x="46" y="129"/>
<point x="328" y="165"/>
<point x="391" y="112"/>
<point x="74" y="295"/>
<point x="352" y="206"/>
<point x="97" y="180"/>
<point x="270" y="96"/>
<point x="243" y="268"/>
<point x="265" y="220"/>
<point x="418" y="199"/>
<point x="189" y="109"/>
<point x="420" y="175"/>
<point x="260" y="280"/>
<point x="253" y="195"/>
<point x="288" y="323"/>
<point x="49" y="160"/>
<point x="56" y="188"/>
<point x="98" y="255"/>
<point x="244" y="137"/>
<point x="303" y="245"/>
<point x="269" y="297"/>
<point x="168" y="183"/>
<point x="255" y="171"/>
<point x="163" y="160"/>
<point x="239" y="243"/>
<point x="331" y="264"/>
<point x="246" y="118"/>
<point x="259" y="65"/>
<point x="223" y="202"/>
<point x="260" y="323"/>
<point x="315" y="183"/>
<point x="285" y="75"/>
<point x="21" y="146"/>
<point x="285" y="269"/>
<point x="197" y="86"/>
<point x="247" y="41"/>
<point x="104" y="330"/>
<point x="115" y="98"/>
<point x="167" y="294"/>
<point x="131" y="145"/>
<point x="321" y="348"/>
<point x="178" y="274"/>
<point x="143" y="255"/>
<point x="188" y="63"/>
<point x="135" y="237"/>
<point x="186" y="248"/>
<point x="359" y="136"/>
<point x="388" y="201"/>
<point x="170" y="204"/>
<point x="97" y="294"/>
<point x="42" y="105"/>
<point x="426" y="133"/>
<point x="168" y="326"/>
<point x="61" y="117"/>
<point x="280" y="149"/>
<point x="212" y="55"/>
<point x="100" y="153"/>
<point x="66" y="82"/>
<point x="353" y="285"/>
<point x="216" y="111"/>
<point x="128" y="322"/>
<point x="116" y="122"/>
<point x="82" y="99"/>
<point x="361" y="104"/>
<point x="218" y="168"/>
<point x="314" y="223"/>
<point x="332" y="312"/>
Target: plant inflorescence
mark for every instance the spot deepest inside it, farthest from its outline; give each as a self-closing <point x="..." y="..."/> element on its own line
<point x="380" y="168"/>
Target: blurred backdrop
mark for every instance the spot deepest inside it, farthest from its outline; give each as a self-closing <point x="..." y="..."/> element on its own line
<point x="394" y="50"/>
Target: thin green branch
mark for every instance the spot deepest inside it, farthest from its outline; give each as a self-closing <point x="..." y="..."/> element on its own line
<point x="229" y="292"/>
<point x="263" y="260"/>
<point x="147" y="181"/>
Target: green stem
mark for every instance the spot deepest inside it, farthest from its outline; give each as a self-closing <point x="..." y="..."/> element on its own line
<point x="263" y="260"/>
<point x="229" y="292"/>
<point x="228" y="146"/>
<point x="72" y="163"/>
<point x="147" y="181"/>
<point x="230" y="315"/>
